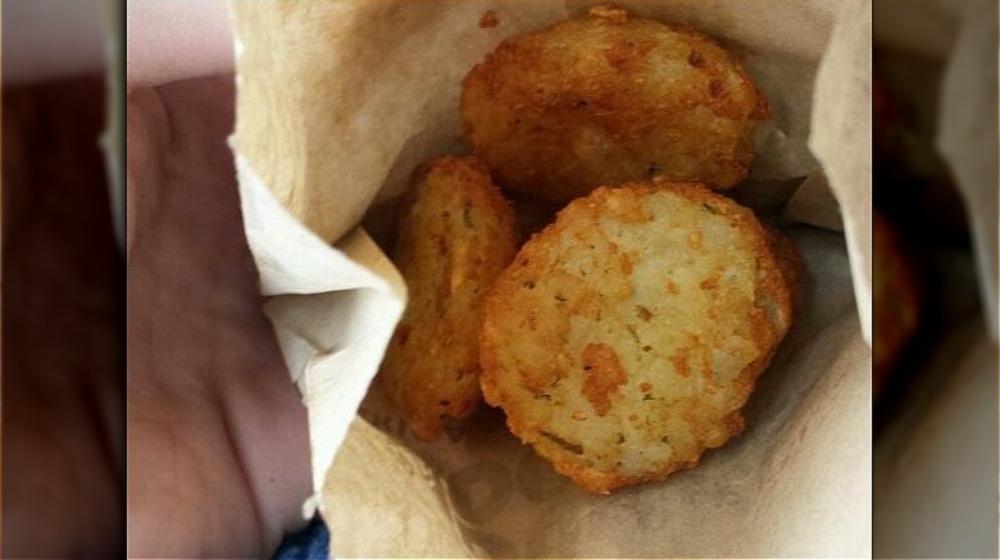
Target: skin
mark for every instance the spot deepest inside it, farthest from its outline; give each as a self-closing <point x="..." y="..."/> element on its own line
<point x="217" y="436"/>
<point x="63" y="440"/>
<point x="211" y="408"/>
<point x="217" y="448"/>
<point x="217" y="462"/>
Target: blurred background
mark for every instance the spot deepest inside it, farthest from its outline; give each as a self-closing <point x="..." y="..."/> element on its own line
<point x="935" y="243"/>
<point x="63" y="286"/>
<point x="935" y="365"/>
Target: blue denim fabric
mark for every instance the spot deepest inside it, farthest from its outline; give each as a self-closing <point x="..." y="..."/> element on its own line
<point x="311" y="543"/>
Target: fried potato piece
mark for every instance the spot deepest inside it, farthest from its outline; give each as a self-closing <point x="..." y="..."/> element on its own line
<point x="456" y="235"/>
<point x="607" y="99"/>
<point x="895" y="300"/>
<point x="790" y="263"/>
<point x="625" y="338"/>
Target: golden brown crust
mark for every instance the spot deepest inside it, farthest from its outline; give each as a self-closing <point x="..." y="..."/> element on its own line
<point x="610" y="98"/>
<point x="625" y="338"/>
<point x="456" y="235"/>
<point x="790" y="264"/>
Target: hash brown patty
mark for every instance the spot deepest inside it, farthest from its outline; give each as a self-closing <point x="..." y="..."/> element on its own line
<point x="610" y="98"/>
<point x="625" y="338"/>
<point x="456" y="235"/>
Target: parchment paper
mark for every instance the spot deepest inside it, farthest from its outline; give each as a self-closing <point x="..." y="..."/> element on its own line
<point x="338" y="101"/>
<point x="968" y="138"/>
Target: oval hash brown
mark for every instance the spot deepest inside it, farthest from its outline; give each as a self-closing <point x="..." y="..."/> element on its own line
<point x="456" y="235"/>
<point x="625" y="338"/>
<point x="610" y="98"/>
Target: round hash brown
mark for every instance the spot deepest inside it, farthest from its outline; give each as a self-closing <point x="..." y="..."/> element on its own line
<point x="456" y="235"/>
<point x="625" y="338"/>
<point x="610" y="98"/>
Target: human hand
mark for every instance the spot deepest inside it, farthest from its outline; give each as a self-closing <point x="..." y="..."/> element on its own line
<point x="63" y="433"/>
<point x="217" y="438"/>
<point x="63" y="335"/>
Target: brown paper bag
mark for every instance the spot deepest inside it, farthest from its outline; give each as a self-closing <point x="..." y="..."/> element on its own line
<point x="339" y="100"/>
<point x="935" y="460"/>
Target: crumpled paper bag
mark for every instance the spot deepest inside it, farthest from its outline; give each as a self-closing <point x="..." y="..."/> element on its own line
<point x="338" y="101"/>
<point x="961" y="35"/>
<point x="935" y="493"/>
